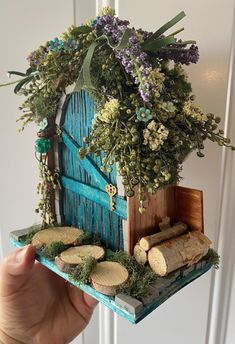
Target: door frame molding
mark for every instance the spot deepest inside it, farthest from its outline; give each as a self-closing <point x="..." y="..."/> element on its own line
<point x="222" y="280"/>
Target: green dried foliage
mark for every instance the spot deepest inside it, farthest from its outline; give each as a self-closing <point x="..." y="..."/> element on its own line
<point x="140" y="276"/>
<point x="27" y="239"/>
<point x="44" y="105"/>
<point x="82" y="271"/>
<point x="147" y="119"/>
<point x="48" y="182"/>
<point x="52" y="250"/>
<point x="88" y="238"/>
<point x="213" y="258"/>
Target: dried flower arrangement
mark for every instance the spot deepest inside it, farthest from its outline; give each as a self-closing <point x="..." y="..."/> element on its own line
<point x="147" y="120"/>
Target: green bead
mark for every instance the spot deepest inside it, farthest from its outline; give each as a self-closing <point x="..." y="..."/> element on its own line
<point x="134" y="181"/>
<point x="42" y="145"/>
<point x="130" y="193"/>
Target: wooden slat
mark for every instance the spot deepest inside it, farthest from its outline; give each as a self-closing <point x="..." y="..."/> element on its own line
<point x="100" y="179"/>
<point x="95" y="195"/>
<point x="51" y="162"/>
<point x="189" y="207"/>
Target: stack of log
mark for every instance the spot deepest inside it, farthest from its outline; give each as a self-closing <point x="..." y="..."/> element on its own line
<point x="171" y="248"/>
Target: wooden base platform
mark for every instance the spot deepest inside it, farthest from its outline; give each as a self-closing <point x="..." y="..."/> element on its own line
<point x="180" y="282"/>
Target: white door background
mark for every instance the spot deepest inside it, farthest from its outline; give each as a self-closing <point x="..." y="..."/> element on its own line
<point x="203" y="312"/>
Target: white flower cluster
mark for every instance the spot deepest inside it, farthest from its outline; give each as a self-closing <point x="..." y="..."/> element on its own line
<point x="154" y="135"/>
<point x="110" y="111"/>
<point x="193" y="110"/>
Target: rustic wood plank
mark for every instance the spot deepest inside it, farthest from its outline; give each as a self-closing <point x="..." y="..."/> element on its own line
<point x="51" y="161"/>
<point x="189" y="207"/>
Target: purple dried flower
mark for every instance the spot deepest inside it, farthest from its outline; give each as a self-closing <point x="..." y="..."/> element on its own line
<point x="36" y="56"/>
<point x="111" y="26"/>
<point x="136" y="63"/>
<point x="179" y="54"/>
<point x="144" y="34"/>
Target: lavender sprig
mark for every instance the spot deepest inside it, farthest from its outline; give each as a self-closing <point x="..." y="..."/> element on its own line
<point x="111" y="26"/>
<point x="133" y="58"/>
<point x="179" y="54"/>
<point x="136" y="63"/>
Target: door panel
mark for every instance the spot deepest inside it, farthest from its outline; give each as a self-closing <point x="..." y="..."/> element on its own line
<point x="82" y="211"/>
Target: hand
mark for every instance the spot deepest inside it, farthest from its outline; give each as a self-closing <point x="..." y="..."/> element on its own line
<point x="36" y="305"/>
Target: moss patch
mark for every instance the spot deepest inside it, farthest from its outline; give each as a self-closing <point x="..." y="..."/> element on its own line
<point x="82" y="271"/>
<point x="88" y="238"/>
<point x="213" y="258"/>
<point x="140" y="276"/>
<point x="54" y="249"/>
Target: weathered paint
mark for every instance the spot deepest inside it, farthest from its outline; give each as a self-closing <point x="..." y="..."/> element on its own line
<point x="95" y="195"/>
<point x="81" y="211"/>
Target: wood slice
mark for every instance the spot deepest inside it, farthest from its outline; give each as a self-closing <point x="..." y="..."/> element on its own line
<point x="172" y="254"/>
<point x="149" y="241"/>
<point x="107" y="276"/>
<point x="140" y="255"/>
<point x="68" y="235"/>
<point x="73" y="256"/>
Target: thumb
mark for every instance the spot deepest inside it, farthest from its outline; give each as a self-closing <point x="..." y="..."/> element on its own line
<point x="16" y="270"/>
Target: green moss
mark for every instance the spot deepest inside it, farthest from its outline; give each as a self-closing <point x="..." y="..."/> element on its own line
<point x="27" y="239"/>
<point x="52" y="250"/>
<point x="88" y="238"/>
<point x="213" y="258"/>
<point x="82" y="271"/>
<point x="140" y="276"/>
<point x="44" y="105"/>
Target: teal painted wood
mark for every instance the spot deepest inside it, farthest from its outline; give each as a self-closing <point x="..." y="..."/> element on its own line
<point x="95" y="195"/>
<point x="100" y="179"/>
<point x="109" y="301"/>
<point x="77" y="117"/>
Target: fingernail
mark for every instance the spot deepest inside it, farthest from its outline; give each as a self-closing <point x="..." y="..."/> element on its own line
<point x="19" y="257"/>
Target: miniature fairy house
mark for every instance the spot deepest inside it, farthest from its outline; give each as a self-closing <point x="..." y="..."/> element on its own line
<point x="85" y="201"/>
<point x="115" y="222"/>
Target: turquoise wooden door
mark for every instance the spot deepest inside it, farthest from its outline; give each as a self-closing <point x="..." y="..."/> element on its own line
<point x="85" y="202"/>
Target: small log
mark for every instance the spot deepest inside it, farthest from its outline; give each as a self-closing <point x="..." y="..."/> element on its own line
<point x="140" y="255"/>
<point x="67" y="235"/>
<point x="108" y="276"/>
<point x="172" y="254"/>
<point x="73" y="256"/>
<point x="149" y="241"/>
